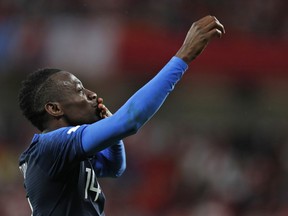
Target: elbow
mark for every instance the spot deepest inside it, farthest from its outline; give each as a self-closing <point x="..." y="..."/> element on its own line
<point x="131" y="122"/>
<point x="134" y="128"/>
<point x="133" y="131"/>
<point x="119" y="172"/>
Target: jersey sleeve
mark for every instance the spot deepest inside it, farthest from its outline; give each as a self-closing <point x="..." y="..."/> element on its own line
<point x="136" y="111"/>
<point x="111" y="162"/>
<point x="60" y="150"/>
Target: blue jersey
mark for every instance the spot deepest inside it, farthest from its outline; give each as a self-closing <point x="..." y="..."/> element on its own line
<point x="59" y="178"/>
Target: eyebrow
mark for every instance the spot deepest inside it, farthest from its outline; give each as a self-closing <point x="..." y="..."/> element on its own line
<point x="79" y="83"/>
<point x="75" y="80"/>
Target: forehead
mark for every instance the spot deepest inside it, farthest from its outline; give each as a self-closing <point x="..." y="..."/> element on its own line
<point x="64" y="78"/>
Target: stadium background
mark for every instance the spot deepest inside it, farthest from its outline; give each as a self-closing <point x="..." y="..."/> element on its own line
<point x="218" y="146"/>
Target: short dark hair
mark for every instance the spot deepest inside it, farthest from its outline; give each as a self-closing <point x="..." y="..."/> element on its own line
<point x="34" y="93"/>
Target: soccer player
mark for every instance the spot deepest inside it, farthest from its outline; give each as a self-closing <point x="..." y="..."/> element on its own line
<point x="80" y="139"/>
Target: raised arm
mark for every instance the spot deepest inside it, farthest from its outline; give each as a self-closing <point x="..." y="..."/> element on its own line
<point x="147" y="100"/>
<point x="198" y="37"/>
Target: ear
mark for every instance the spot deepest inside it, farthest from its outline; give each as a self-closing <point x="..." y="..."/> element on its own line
<point x="54" y="109"/>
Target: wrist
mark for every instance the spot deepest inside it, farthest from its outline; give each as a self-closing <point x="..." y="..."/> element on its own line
<point x="186" y="57"/>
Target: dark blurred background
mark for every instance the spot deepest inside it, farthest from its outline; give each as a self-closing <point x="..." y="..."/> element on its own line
<point x="218" y="146"/>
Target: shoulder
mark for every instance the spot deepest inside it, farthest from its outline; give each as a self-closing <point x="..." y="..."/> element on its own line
<point x="62" y="134"/>
<point x="57" y="149"/>
<point x="54" y="142"/>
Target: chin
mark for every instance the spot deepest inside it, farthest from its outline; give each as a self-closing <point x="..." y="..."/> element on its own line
<point x="90" y="120"/>
<point x="96" y="119"/>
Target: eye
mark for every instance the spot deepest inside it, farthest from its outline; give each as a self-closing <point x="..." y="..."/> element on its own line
<point x="81" y="90"/>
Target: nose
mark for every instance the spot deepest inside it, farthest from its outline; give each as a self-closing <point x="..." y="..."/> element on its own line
<point x="91" y="95"/>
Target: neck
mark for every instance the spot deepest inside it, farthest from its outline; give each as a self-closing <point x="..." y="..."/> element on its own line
<point x="54" y="125"/>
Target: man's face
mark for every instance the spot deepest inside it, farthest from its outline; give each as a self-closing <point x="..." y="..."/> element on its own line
<point x="78" y="104"/>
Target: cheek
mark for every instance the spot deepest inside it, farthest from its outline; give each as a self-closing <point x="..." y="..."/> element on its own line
<point x="87" y="114"/>
<point x="84" y="110"/>
<point x="80" y="112"/>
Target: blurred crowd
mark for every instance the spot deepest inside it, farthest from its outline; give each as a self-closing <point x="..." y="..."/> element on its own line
<point x="247" y="16"/>
<point x="218" y="146"/>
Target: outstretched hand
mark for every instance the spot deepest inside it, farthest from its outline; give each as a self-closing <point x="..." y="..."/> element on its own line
<point x="102" y="109"/>
<point x="199" y="35"/>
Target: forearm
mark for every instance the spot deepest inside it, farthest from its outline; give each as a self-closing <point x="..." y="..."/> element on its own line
<point x="136" y="111"/>
<point x="147" y="100"/>
<point x="113" y="161"/>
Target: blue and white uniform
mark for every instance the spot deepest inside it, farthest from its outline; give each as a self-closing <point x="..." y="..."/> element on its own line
<point x="61" y="167"/>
